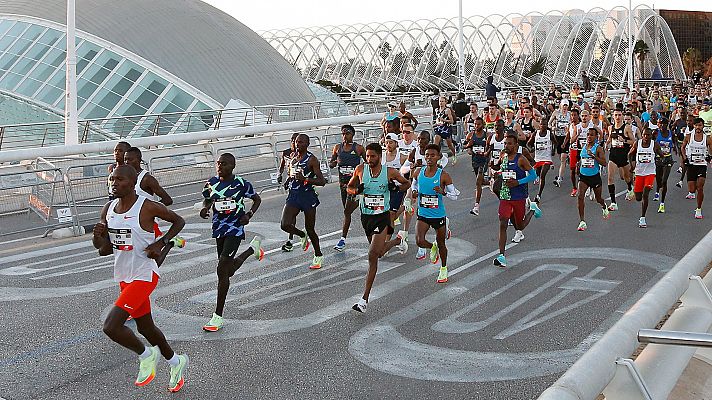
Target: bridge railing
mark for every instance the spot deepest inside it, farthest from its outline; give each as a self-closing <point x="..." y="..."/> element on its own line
<point x="607" y="366"/>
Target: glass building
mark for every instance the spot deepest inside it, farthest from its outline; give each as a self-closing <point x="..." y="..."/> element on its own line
<point x="135" y="58"/>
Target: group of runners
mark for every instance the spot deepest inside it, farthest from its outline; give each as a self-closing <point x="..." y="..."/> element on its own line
<point x="401" y="177"/>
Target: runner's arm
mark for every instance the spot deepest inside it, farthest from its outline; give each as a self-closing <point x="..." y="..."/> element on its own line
<point x="100" y="240"/>
<point x="656" y="149"/>
<point x="601" y="156"/>
<point x="157" y="190"/>
<point x="633" y="150"/>
<point x="256" y="201"/>
<point x="395" y="175"/>
<point x="334" y="156"/>
<point x="316" y="169"/>
<point x="354" y="182"/>
<point x="152" y="210"/>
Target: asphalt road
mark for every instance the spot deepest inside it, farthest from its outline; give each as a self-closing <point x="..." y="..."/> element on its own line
<point x="291" y="334"/>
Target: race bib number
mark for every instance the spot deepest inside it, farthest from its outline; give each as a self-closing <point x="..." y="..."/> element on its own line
<point x="429" y="201"/>
<point x="226" y="205"/>
<point x="347" y="170"/>
<point x="496" y="155"/>
<point x="697" y="156"/>
<point x="617" y="143"/>
<point x="292" y="171"/>
<point x="479" y="150"/>
<point x="541" y="146"/>
<point x="588" y="162"/>
<point x="121" y="239"/>
<point x="665" y="148"/>
<point x="645" y="158"/>
<point x="507" y="175"/>
<point x="374" y="202"/>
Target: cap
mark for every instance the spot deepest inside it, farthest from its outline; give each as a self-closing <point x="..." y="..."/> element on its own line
<point x="564" y="102"/>
<point x="392" y="136"/>
<point x="707" y="102"/>
<point x="392" y="104"/>
<point x="508" y="110"/>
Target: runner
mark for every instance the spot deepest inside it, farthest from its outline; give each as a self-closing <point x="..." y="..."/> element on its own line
<point x="406" y="147"/>
<point x="696" y="147"/>
<point x="304" y="174"/>
<point x="528" y="125"/>
<point x="663" y="164"/>
<point x="572" y="142"/>
<point x="559" y="123"/>
<point x="443" y="127"/>
<point x="391" y="115"/>
<point x="515" y="174"/>
<point x="644" y="152"/>
<point x="592" y="156"/>
<point x="224" y="194"/>
<point x="346" y="156"/>
<point x="373" y="181"/>
<point x="477" y="147"/>
<point x="491" y="117"/>
<point x="689" y="130"/>
<point x="125" y="230"/>
<point x="542" y="143"/>
<point x="393" y="158"/>
<point x="283" y="163"/>
<point x="119" y="152"/>
<point x="429" y="185"/>
<point x="620" y="139"/>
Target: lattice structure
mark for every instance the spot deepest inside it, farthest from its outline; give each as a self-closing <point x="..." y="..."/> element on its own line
<point x="517" y="50"/>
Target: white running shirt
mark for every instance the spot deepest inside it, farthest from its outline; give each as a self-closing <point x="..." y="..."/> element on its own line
<point x="129" y="241"/>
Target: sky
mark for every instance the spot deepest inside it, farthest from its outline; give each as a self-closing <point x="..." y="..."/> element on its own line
<point x="275" y="14"/>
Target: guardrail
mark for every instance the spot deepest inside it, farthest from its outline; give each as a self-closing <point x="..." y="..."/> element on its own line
<point x="606" y="367"/>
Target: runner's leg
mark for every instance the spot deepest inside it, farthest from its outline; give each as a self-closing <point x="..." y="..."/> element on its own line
<point x="309" y="223"/>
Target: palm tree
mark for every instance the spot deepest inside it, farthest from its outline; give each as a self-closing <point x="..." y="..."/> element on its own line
<point x="641" y="50"/>
<point x="537" y="67"/>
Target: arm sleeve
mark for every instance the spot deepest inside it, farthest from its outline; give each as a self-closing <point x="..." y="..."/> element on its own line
<point x="531" y="176"/>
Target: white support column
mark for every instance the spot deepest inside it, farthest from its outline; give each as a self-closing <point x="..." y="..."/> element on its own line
<point x="461" y="56"/>
<point x="71" y="119"/>
<point x="631" y="37"/>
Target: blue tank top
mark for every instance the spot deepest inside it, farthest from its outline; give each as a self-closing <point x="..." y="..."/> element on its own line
<point x="430" y="203"/>
<point x="391" y="117"/>
<point x="479" y="146"/>
<point x="376" y="197"/>
<point x="303" y="166"/>
<point x="665" y="143"/>
<point x="589" y="165"/>
<point x="511" y="169"/>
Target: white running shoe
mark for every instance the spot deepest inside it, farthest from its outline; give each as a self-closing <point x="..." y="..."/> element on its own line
<point x="475" y="210"/>
<point x="421" y="254"/>
<point x="360" y="306"/>
<point x="518" y="237"/>
<point x="642" y="223"/>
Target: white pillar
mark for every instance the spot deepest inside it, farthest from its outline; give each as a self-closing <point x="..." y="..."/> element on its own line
<point x="631" y="37"/>
<point x="461" y="58"/>
<point x="71" y="120"/>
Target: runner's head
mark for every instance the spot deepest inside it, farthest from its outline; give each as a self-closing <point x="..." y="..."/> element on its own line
<point x="647" y="135"/>
<point x="628" y="118"/>
<point x="224" y="166"/>
<point x="132" y="157"/>
<point x="432" y="155"/>
<point x="618" y="116"/>
<point x="575" y="116"/>
<point x="293" y="141"/>
<point x="591" y="136"/>
<point x="123" y="181"/>
<point x="401" y="107"/>
<point x="423" y="139"/>
<point x="699" y="124"/>
<point x="492" y="109"/>
<point x="301" y="143"/>
<point x="373" y="154"/>
<point x="654" y="117"/>
<point x="527" y="112"/>
<point x="479" y="124"/>
<point x="119" y="151"/>
<point x="391" y="142"/>
<point x="347" y="133"/>
<point x="442" y="101"/>
<point x="511" y="144"/>
<point x="690" y="120"/>
<point x="408" y="132"/>
<point x="473" y="108"/>
<point x="585" y="117"/>
<point x="499" y="126"/>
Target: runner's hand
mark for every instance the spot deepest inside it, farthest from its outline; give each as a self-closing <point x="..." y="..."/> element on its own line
<point x="245" y="219"/>
<point x="512" y="183"/>
<point x="154" y="249"/>
<point x="204" y="213"/>
<point x="407" y="206"/>
<point x="279" y="178"/>
<point x="100" y="230"/>
<point x="299" y="176"/>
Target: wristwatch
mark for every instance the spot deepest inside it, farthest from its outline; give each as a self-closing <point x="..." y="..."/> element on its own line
<point x="165" y="240"/>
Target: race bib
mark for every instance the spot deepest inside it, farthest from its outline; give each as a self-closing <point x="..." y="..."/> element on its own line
<point x="707" y="130"/>
<point x="121" y="239"/>
<point x="645" y="158"/>
<point x="470" y="127"/>
<point x="347" y="170"/>
<point x="697" y="156"/>
<point x="507" y="175"/>
<point x="665" y="148"/>
<point x="541" y="146"/>
<point x="225" y="205"/>
<point x="374" y="202"/>
<point x="292" y="171"/>
<point x="429" y="201"/>
<point x="496" y="155"/>
<point x="480" y="150"/>
<point x="617" y="143"/>
<point x="587" y="162"/>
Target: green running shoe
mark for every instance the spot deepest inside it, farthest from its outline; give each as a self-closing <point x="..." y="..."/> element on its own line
<point x="434" y="253"/>
<point x="147" y="368"/>
<point x="442" y="276"/>
<point x="214" y="325"/>
<point x="177" y="380"/>
<point x="256" y="245"/>
<point x="305" y="242"/>
<point x="178" y="242"/>
<point x="316" y="262"/>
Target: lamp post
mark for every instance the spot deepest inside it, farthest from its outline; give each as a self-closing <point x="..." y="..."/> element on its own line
<point x="71" y="120"/>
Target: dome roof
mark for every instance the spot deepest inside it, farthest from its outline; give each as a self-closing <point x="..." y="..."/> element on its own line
<point x="193" y="40"/>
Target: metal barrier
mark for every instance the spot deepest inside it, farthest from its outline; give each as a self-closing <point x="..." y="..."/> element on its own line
<point x="605" y="367"/>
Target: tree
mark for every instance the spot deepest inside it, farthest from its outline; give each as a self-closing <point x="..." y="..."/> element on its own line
<point x="384" y="50"/>
<point x="692" y="61"/>
<point x="537" y="67"/>
<point x="641" y="50"/>
<point x="708" y="68"/>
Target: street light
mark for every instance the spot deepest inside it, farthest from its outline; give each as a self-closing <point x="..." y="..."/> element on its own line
<point x="71" y="120"/>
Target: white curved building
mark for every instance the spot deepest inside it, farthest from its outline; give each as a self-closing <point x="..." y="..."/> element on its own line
<point x="424" y="54"/>
<point x="136" y="57"/>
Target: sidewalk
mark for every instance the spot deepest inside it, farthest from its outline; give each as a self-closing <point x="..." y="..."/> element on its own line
<point x="695" y="382"/>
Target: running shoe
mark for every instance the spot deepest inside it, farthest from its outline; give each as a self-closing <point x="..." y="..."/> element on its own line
<point x="340" y="245"/>
<point x="630" y="195"/>
<point x="606" y="213"/>
<point x="454" y="159"/>
<point x="214" y="325"/>
<point x="403" y="235"/>
<point x="557" y="182"/>
<point x="574" y="193"/>
<point x="500" y="261"/>
<point x="679" y="184"/>
<point x="642" y="223"/>
<point x="537" y="181"/>
<point x="537" y="211"/>
<point x="656" y="197"/>
<point x="679" y="170"/>
<point x="527" y="202"/>
<point x="518" y="237"/>
<point x="396" y="222"/>
<point x="360" y="306"/>
<point x="447" y="227"/>
<point x="304" y="241"/>
<point x="316" y="262"/>
<point x="475" y="210"/>
<point x="178" y="242"/>
<point x="147" y="368"/>
<point x="403" y="245"/>
<point x="589" y="193"/>
<point x="661" y="208"/>
<point x="582" y="226"/>
<point x="613" y="207"/>
<point x="256" y="245"/>
<point x="177" y="381"/>
<point x="442" y="276"/>
<point x="434" y="254"/>
<point x="690" y="196"/>
<point x="421" y="254"/>
<point x="287" y="246"/>
<point x="537" y="199"/>
<point x="698" y="213"/>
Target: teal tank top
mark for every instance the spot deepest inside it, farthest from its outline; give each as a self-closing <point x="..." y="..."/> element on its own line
<point x="376" y="197"/>
<point x="430" y="203"/>
<point x="589" y="165"/>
